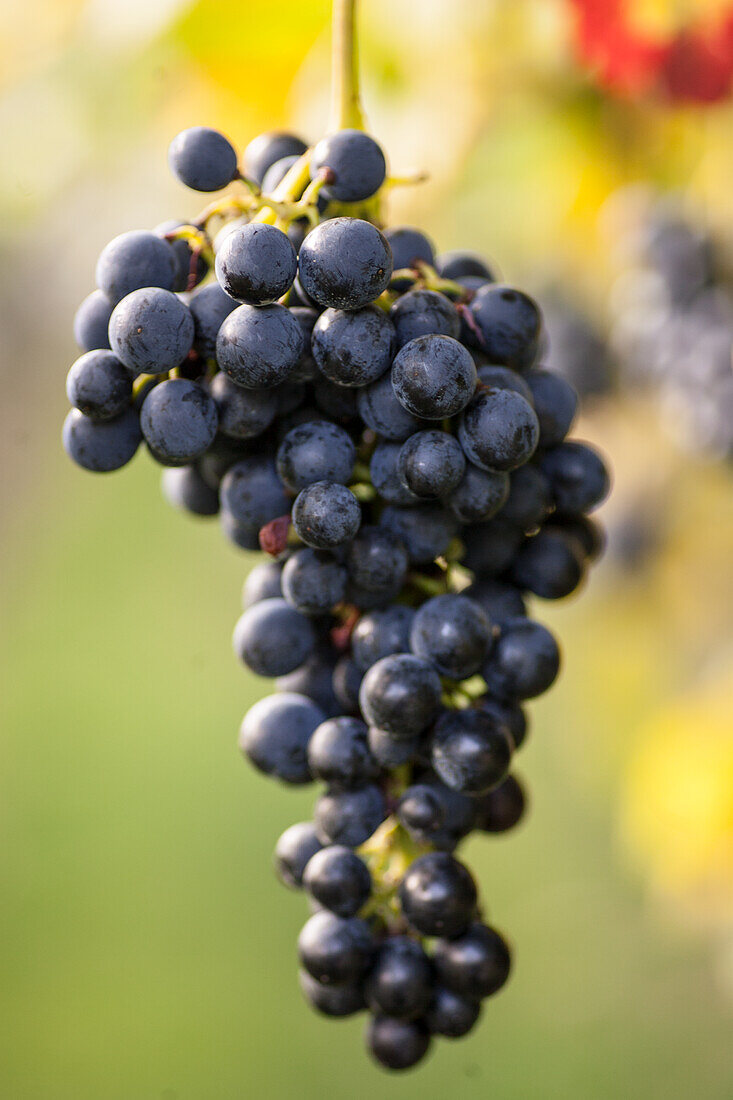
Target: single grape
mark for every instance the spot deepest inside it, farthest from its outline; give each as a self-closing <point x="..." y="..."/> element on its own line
<point x="433" y="377"/>
<point x="346" y="683"/>
<point x="332" y="1000"/>
<point x="400" y="983"/>
<point x="377" y="560"/>
<point x="471" y="284"/>
<point x="349" y="817"/>
<point x="356" y="163"/>
<point x="458" y="811"/>
<point x="438" y="895"/>
<point x="502" y="378"/>
<point x="431" y="463"/>
<point x="490" y="547"/>
<point x="272" y="638"/>
<point x="588" y="533"/>
<point x="313" y="581"/>
<point x="397" y="1044"/>
<point x="451" y="1015"/>
<point x="384" y="475"/>
<point x="382" y="412"/>
<point x="476" y="964"/>
<point x="353" y="347"/>
<point x="210" y="306"/>
<point x="202" y="159"/>
<point x="499" y="599"/>
<point x="421" y="810"/>
<point x="339" y="754"/>
<point x="345" y="263"/>
<point x="335" y="950"/>
<point x="409" y="247"/>
<point x="243" y="414"/>
<point x="314" y="678"/>
<point x="524" y="662"/>
<point x="529" y="500"/>
<point x="555" y="402"/>
<point x="315" y="451"/>
<point x="91" y="321"/>
<point x="479" y="495"/>
<point x="178" y="420"/>
<point x="424" y="313"/>
<point x="381" y="633"/>
<point x="252" y="493"/>
<point x="578" y="477"/>
<point x="132" y="261"/>
<point x="259" y="347"/>
<point x="393" y="752"/>
<point x="275" y="734"/>
<point x="401" y="694"/>
<point x="265" y="149"/>
<point x="263" y="581"/>
<point x="101" y="445"/>
<point x="294" y="849"/>
<point x="549" y="565"/>
<point x="453" y="633"/>
<point x="256" y="264"/>
<point x="471" y="751"/>
<point x="456" y="265"/>
<point x="426" y="530"/>
<point x="338" y="880"/>
<point x="184" y="488"/>
<point x="508" y="323"/>
<point x="99" y="385"/>
<point x="151" y="331"/>
<point x="326" y="514"/>
<point x="500" y="809"/>
<point x="507" y="713"/>
<point x="498" y="430"/>
<point x="243" y="535"/>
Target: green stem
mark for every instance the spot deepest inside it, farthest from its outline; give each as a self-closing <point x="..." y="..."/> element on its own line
<point x="432" y="281"/>
<point x="428" y="586"/>
<point x="388" y="854"/>
<point x="287" y="191"/>
<point x="346" y="112"/>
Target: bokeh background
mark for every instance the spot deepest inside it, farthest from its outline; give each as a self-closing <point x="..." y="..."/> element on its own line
<point x="146" y="949"/>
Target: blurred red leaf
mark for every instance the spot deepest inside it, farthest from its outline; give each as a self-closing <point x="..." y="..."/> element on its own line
<point x="692" y="64"/>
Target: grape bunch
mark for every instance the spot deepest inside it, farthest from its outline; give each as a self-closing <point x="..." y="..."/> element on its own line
<point x="374" y="418"/>
<point x="672" y="326"/>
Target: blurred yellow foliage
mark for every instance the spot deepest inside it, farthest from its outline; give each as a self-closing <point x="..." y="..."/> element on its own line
<point x="677" y="814"/>
<point x="249" y="54"/>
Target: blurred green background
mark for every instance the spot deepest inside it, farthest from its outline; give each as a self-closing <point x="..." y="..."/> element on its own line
<point x="146" y="949"/>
